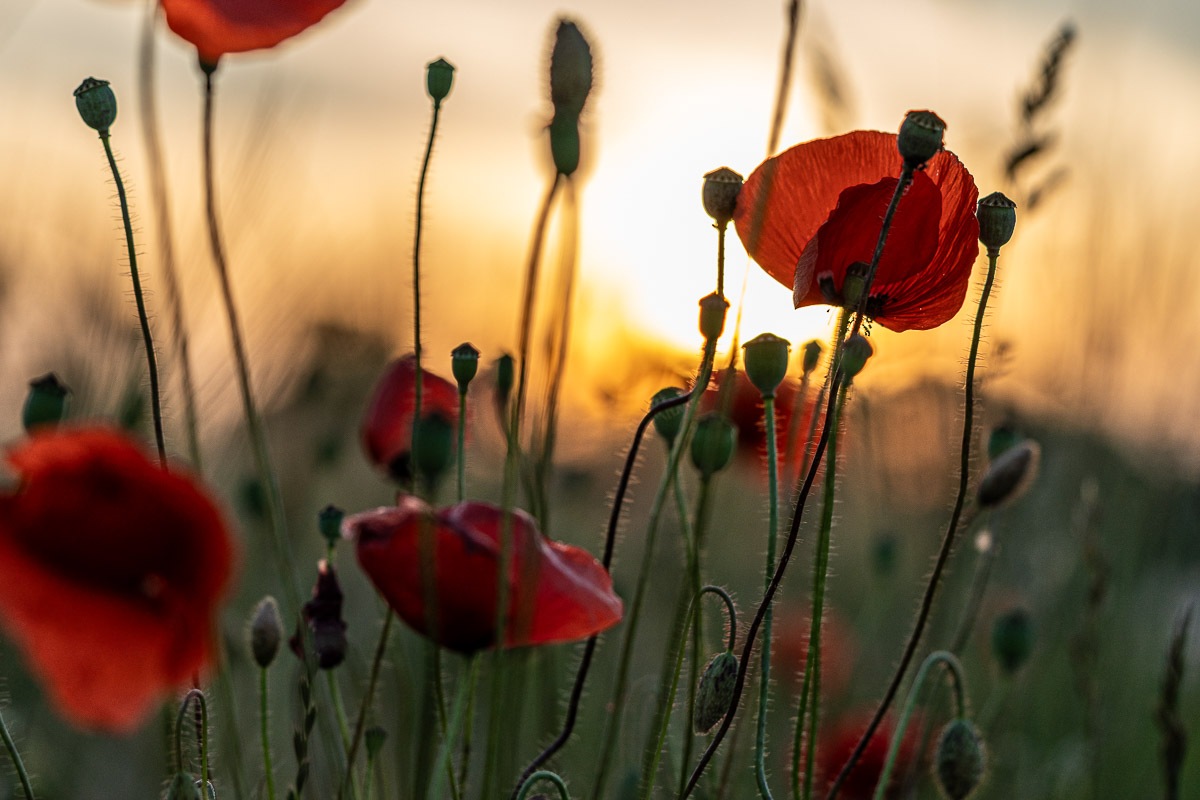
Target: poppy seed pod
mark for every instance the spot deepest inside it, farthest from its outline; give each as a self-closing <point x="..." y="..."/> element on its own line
<point x="959" y="759"/>
<point x="570" y="70"/>
<point x="720" y="194"/>
<point x="921" y="136"/>
<point x="46" y="404"/>
<point x="97" y="104"/>
<point x="433" y="446"/>
<point x="997" y="220"/>
<point x="464" y="363"/>
<point x="668" y="422"/>
<point x="1009" y="475"/>
<point x="812" y="355"/>
<point x="266" y="631"/>
<point x="715" y="691"/>
<point x="439" y="77"/>
<point x="713" y="308"/>
<point x="713" y="443"/>
<point x="855" y="354"/>
<point x="1012" y="639"/>
<point x="329" y="522"/>
<point x="766" y="362"/>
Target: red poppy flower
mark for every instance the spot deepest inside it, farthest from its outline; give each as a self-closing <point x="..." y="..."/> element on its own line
<point x="111" y="570"/>
<point x="388" y="424"/>
<point x="218" y="27"/>
<point x="557" y="592"/>
<point x="824" y="212"/>
<point x="839" y="742"/>
<point x="746" y="412"/>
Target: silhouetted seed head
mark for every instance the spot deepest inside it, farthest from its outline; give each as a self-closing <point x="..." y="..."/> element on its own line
<point x="812" y="355"/>
<point x="97" y="104"/>
<point x="464" y="363"/>
<point x="1012" y="639"/>
<point x="713" y="308"/>
<point x="439" y="77"/>
<point x="855" y="354"/>
<point x="1009" y="475"/>
<point x="505" y="369"/>
<point x="46" y="403"/>
<point x="921" y="136"/>
<point x="713" y="443"/>
<point x="329" y="523"/>
<point x="997" y="220"/>
<point x="570" y="70"/>
<point x="766" y="362"/>
<point x="668" y="422"/>
<point x="715" y="691"/>
<point x="266" y="632"/>
<point x="720" y="194"/>
<point x="960" y="759"/>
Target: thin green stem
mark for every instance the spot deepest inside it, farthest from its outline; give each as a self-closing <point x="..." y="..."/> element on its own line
<point x="956" y="516"/>
<point x="335" y="694"/>
<point x="416" y="276"/>
<point x="462" y="444"/>
<point x="465" y="758"/>
<point x="548" y="776"/>
<point x="764" y="686"/>
<point x="262" y="456"/>
<point x="140" y="300"/>
<point x="364" y="707"/>
<point x="443" y="769"/>
<point x="703" y="513"/>
<point x="793" y="429"/>
<point x="202" y="744"/>
<point x="15" y="756"/>
<point x="265" y="728"/>
<point x="956" y="677"/>
<point x="721" y="261"/>
<point x="785" y="76"/>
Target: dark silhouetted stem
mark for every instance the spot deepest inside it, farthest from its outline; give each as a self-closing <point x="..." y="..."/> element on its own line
<point x="785" y="76"/>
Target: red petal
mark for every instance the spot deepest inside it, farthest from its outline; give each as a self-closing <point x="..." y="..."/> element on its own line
<point x="217" y="27"/>
<point x="388" y="422"/>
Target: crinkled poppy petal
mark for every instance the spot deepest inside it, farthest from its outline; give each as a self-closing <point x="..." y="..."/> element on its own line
<point x="217" y="27"/>
<point x="388" y="422"/>
<point x="803" y="184"/>
<point x="574" y="596"/>
<point x="110" y="573"/>
<point x="852" y="232"/>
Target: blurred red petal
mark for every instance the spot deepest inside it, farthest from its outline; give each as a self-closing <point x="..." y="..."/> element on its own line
<point x="387" y="425"/>
<point x="217" y="27"/>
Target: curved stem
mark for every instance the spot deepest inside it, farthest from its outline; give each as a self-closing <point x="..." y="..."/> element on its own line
<point x="906" y="176"/>
<point x="15" y="756"/>
<point x="956" y="677"/>
<point x="140" y="300"/>
<point x="764" y="686"/>
<point x="264" y="718"/>
<point x="544" y="775"/>
<point x="703" y="513"/>
<point x="785" y="76"/>
<point x="947" y="539"/>
<point x="202" y="702"/>
<point x="416" y="276"/>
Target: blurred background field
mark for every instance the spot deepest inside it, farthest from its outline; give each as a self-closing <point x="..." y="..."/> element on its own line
<point x="1090" y="344"/>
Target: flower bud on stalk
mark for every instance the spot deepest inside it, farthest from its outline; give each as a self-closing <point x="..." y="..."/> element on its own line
<point x="329" y="522"/>
<point x="464" y="363"/>
<point x="812" y="355"/>
<point x="713" y="309"/>
<point x="713" y="443"/>
<point x="920" y="139"/>
<point x="439" y="77"/>
<point x="855" y="353"/>
<point x="668" y="422"/>
<point x="720" y="193"/>
<point x="46" y="404"/>
<point x="766" y="362"/>
<point x="960" y="759"/>
<point x="97" y="104"/>
<point x="266" y="632"/>
<point x="1009" y="475"/>
<point x="570" y="70"/>
<point x="715" y="692"/>
<point x="997" y="220"/>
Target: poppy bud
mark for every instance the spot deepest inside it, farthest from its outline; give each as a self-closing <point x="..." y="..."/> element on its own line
<point x="1012" y="639"/>
<point x="570" y="70"/>
<point x="329" y="522"/>
<point x="1009" y="475"/>
<point x="766" y="362"/>
<point x="439" y="77"/>
<point x="210" y="791"/>
<point x="855" y="353"/>
<point x="266" y="631"/>
<point x="1002" y="438"/>
<point x="920" y="138"/>
<point x="564" y="143"/>
<point x="997" y="220"/>
<point x="812" y="355"/>
<point x="668" y="422"/>
<point x="183" y="787"/>
<point x="373" y="738"/>
<point x="960" y="759"/>
<point x="464" y="363"/>
<point x="505" y="368"/>
<point x="433" y="446"/>
<point x="713" y="443"/>
<point x="46" y="403"/>
<point x="97" y="104"/>
<point x="720" y="194"/>
<point x="712" y="316"/>
<point x="323" y="616"/>
<point x="715" y="692"/>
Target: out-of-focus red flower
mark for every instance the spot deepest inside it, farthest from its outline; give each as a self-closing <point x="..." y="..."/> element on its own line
<point x="557" y="592"/>
<point x="323" y="616"/>
<point x="824" y="212"/>
<point x="387" y="427"/>
<point x="839" y="741"/>
<point x="217" y="27"/>
<point x="111" y="570"/>
<point x="746" y="412"/>
<point x="789" y="649"/>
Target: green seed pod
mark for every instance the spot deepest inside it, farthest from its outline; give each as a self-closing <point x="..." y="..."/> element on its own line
<point x="46" y="404"/>
<point x="564" y="143"/>
<point x="183" y="787"/>
<point x="812" y="355"/>
<point x="373" y="738"/>
<point x="997" y="220"/>
<point x="1012" y="639"/>
<point x="1009" y="475"/>
<point x="714" y="694"/>
<point x="668" y="422"/>
<point x="266" y="631"/>
<point x="505" y="369"/>
<point x="1001" y="439"/>
<point x="464" y="363"/>
<point x="766" y="362"/>
<point x="713" y="443"/>
<point x="433" y="446"/>
<point x="713" y="308"/>
<point x="97" y="104"/>
<point x="439" y="77"/>
<point x="329" y="522"/>
<point x="855" y="353"/>
<point x="921" y="136"/>
<point x="960" y="759"/>
<point x="720" y="193"/>
<point x="570" y="70"/>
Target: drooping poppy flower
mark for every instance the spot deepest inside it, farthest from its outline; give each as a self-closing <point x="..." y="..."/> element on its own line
<point x="556" y="592"/>
<point x="839" y="741"/>
<point x="824" y="211"/>
<point x="387" y="426"/>
<point x="111" y="570"/>
<point x="323" y="616"/>
<point x="217" y="27"/>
